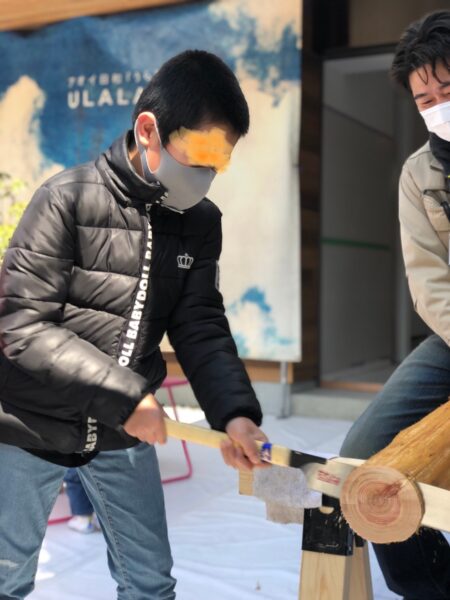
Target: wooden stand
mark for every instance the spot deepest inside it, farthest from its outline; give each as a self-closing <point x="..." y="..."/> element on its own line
<point x="381" y="499"/>
<point x="335" y="562"/>
<point x="326" y="576"/>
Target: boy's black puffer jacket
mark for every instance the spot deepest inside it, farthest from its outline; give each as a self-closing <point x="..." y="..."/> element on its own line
<point x="96" y="272"/>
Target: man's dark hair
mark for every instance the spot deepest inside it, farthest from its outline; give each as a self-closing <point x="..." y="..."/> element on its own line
<point x="424" y="42"/>
<point x="192" y="88"/>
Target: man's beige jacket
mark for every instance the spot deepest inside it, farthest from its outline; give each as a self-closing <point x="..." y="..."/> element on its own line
<point x="425" y="231"/>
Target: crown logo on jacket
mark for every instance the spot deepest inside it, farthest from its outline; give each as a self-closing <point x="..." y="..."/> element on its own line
<point x="185" y="262"/>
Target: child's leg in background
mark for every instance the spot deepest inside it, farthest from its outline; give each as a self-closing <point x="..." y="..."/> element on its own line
<point x="79" y="502"/>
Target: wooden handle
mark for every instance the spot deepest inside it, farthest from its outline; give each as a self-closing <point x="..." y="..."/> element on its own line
<point x="279" y="455"/>
<point x="194" y="433"/>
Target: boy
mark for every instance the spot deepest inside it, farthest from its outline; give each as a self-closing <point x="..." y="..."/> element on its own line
<point x="109" y="256"/>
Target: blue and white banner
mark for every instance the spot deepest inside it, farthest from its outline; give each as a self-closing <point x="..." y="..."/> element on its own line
<point x="68" y="90"/>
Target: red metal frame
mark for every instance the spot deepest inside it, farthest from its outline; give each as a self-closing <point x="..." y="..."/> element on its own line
<point x="168" y="384"/>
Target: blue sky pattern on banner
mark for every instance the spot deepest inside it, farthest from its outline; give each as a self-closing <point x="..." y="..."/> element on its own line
<point x="136" y="43"/>
<point x="253" y="304"/>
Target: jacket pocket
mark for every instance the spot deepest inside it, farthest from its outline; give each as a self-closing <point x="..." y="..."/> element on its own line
<point x="435" y="212"/>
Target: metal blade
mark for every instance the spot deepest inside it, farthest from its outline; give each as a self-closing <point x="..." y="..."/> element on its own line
<point x="327" y="478"/>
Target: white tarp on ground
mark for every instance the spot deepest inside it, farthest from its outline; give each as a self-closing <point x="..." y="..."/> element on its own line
<point x="223" y="547"/>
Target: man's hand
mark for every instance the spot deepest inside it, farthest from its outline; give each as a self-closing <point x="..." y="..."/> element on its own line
<point x="240" y="451"/>
<point x="146" y="422"/>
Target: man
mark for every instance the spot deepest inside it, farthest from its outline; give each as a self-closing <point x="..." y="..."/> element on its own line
<point x="419" y="569"/>
<point x="109" y="256"/>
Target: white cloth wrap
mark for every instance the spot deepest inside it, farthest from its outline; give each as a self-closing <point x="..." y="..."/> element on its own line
<point x="285" y="492"/>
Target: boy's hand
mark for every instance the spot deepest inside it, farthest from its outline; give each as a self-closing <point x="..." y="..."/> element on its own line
<point x="146" y="422"/>
<point x="243" y="453"/>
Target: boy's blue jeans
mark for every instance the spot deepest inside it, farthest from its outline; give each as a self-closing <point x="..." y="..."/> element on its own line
<point x="418" y="569"/>
<point x="125" y="489"/>
<point x="78" y="499"/>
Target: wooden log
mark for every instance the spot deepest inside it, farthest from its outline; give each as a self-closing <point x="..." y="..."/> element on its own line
<point x="380" y="499"/>
<point x="35" y="13"/>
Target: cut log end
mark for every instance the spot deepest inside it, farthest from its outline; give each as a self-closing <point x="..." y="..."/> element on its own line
<point x="381" y="504"/>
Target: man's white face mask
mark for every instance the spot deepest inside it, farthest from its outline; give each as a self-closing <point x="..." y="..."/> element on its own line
<point x="437" y="120"/>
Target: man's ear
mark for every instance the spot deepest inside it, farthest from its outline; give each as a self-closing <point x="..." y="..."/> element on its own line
<point x="145" y="128"/>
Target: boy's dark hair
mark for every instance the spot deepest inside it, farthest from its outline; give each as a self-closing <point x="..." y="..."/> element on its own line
<point x="191" y="88"/>
<point x="424" y="42"/>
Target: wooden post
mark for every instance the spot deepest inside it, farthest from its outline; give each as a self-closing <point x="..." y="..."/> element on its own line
<point x="380" y="499"/>
<point x="324" y="576"/>
<point x="360" y="576"/>
<point x="331" y="577"/>
<point x="246" y="483"/>
<point x="35" y="13"/>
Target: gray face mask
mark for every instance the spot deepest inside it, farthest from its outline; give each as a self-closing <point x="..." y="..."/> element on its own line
<point x="186" y="186"/>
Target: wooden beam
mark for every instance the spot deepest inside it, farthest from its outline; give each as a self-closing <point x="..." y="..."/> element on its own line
<point x="360" y="577"/>
<point x="309" y="173"/>
<point x="246" y="483"/>
<point x="36" y="13"/>
<point x="352" y="386"/>
<point x="326" y="574"/>
<point x="258" y="370"/>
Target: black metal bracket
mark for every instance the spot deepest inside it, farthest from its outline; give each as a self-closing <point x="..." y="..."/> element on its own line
<point x="327" y="533"/>
<point x="300" y="459"/>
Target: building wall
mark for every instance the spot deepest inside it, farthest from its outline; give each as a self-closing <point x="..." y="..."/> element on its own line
<point x="358" y="217"/>
<point x="357" y="251"/>
<point x="369" y="128"/>
<point x="383" y="21"/>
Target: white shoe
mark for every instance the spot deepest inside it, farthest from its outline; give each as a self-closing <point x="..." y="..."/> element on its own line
<point x="95" y="522"/>
<point x="82" y="524"/>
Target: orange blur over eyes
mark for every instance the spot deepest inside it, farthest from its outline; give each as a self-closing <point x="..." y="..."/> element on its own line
<point x="205" y="148"/>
